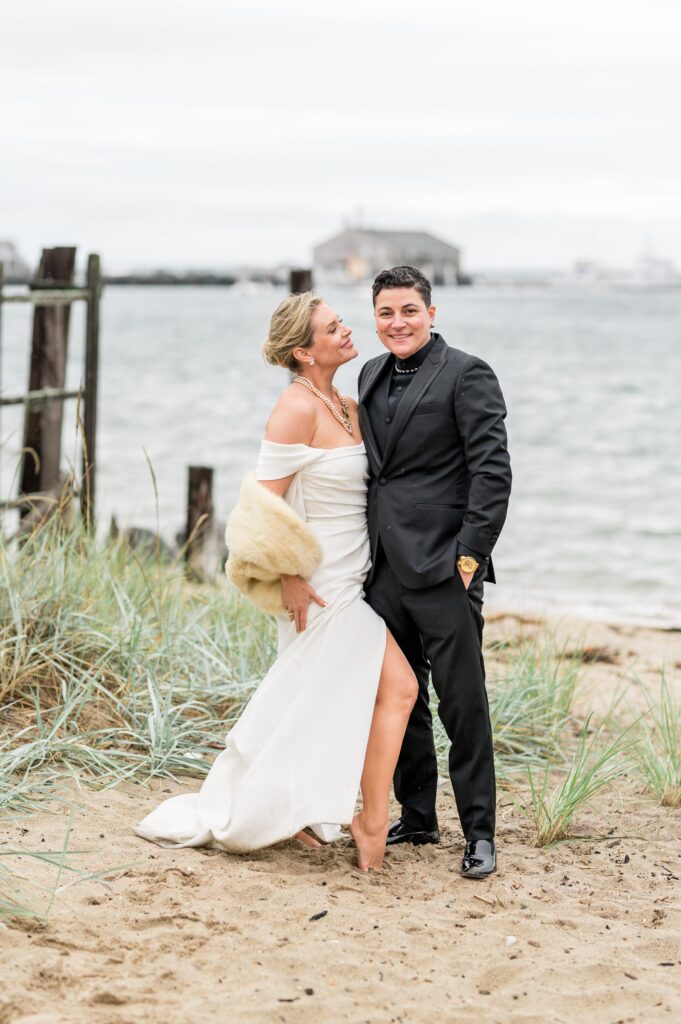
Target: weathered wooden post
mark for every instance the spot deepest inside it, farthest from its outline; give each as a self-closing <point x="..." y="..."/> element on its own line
<point x="200" y="514"/>
<point x="49" y="350"/>
<point x="2" y="285"/>
<point x="300" y="281"/>
<point x="94" y="286"/>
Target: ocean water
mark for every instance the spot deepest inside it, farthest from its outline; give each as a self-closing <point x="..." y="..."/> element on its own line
<point x="592" y="384"/>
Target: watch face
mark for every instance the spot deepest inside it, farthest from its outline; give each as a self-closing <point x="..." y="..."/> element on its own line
<point x="467" y="564"/>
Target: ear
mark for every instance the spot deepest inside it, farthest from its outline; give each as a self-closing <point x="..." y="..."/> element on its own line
<point x="431" y="314"/>
<point x="302" y="355"/>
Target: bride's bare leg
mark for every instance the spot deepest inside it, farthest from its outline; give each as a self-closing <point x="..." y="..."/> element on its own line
<point x="307" y="840"/>
<point x="397" y="690"/>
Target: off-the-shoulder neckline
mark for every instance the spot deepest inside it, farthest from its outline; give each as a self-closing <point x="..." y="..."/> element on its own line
<point x="338" y="448"/>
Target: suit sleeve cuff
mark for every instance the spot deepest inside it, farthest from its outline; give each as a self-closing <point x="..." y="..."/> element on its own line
<point x="463" y="549"/>
<point x="469" y="537"/>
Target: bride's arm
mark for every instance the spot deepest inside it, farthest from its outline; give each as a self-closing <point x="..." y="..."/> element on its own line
<point x="293" y="421"/>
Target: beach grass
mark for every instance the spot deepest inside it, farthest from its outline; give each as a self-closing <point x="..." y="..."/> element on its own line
<point x="531" y="703"/>
<point x="599" y="760"/>
<point x="113" y="666"/>
<point x="659" y="747"/>
<point x="22" y="895"/>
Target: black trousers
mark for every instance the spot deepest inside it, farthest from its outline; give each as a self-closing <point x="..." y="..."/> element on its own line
<point x="440" y="632"/>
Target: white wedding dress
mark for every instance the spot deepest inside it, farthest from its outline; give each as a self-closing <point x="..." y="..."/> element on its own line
<point x="295" y="757"/>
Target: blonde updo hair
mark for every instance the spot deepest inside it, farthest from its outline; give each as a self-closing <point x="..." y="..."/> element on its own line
<point x="290" y="327"/>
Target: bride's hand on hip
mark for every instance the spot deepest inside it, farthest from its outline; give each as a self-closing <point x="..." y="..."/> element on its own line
<point x="296" y="594"/>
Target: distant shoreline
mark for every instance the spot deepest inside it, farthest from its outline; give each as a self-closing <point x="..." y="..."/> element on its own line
<point x="172" y="280"/>
<point x="505" y="282"/>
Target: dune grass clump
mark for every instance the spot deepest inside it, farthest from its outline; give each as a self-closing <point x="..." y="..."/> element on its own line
<point x="554" y="763"/>
<point x="598" y="761"/>
<point x="531" y="705"/>
<point x="113" y="666"/>
<point x="531" y="710"/>
<point x="659" y="747"/>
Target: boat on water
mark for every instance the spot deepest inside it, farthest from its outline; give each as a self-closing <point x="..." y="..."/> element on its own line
<point x="649" y="273"/>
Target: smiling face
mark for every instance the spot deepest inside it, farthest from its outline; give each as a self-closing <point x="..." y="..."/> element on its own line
<point x="331" y="340"/>
<point x="403" y="321"/>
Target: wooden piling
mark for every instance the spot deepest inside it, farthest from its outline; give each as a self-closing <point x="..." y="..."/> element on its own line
<point x="300" y="281"/>
<point x="200" y="514"/>
<point x="94" y="286"/>
<point x="2" y="285"/>
<point x="49" y="350"/>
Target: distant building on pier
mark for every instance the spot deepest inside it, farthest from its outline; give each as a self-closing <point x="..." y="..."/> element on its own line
<point x="358" y="254"/>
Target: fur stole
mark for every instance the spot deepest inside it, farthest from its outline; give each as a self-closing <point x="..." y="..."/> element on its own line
<point x="265" y="539"/>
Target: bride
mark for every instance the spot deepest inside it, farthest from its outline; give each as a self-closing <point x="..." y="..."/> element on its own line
<point x="330" y="715"/>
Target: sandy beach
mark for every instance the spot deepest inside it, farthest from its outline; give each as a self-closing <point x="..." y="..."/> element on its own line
<point x="586" y="931"/>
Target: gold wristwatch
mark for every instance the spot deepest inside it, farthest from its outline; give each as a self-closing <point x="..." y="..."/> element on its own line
<point x="466" y="563"/>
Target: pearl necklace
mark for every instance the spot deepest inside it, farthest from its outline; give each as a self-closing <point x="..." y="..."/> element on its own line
<point x="344" y="417"/>
<point x="414" y="370"/>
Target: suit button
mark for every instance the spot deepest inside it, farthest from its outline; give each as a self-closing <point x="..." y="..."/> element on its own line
<point x="390" y="527"/>
<point x="387" y="419"/>
<point x="382" y="480"/>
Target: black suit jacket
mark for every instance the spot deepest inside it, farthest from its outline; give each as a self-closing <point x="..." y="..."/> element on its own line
<point x="440" y="472"/>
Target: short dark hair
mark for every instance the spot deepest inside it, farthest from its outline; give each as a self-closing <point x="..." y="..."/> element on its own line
<point x="402" y="277"/>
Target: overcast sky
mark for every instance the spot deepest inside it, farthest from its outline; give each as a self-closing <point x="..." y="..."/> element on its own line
<point x="212" y="133"/>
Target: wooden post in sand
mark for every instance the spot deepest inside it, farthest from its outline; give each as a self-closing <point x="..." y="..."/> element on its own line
<point x="49" y="350"/>
<point x="2" y="285"/>
<point x="200" y="514"/>
<point x="94" y="286"/>
<point x="300" y="281"/>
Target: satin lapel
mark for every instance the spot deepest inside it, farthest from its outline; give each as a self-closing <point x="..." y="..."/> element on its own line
<point x="371" y="377"/>
<point x="434" y="362"/>
<point x="368" y="384"/>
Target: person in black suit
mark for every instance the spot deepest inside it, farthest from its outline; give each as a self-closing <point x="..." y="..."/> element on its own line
<point x="432" y="418"/>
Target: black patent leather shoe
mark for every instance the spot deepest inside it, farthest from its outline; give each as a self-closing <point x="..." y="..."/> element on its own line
<point x="479" y="859"/>
<point x="401" y="833"/>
